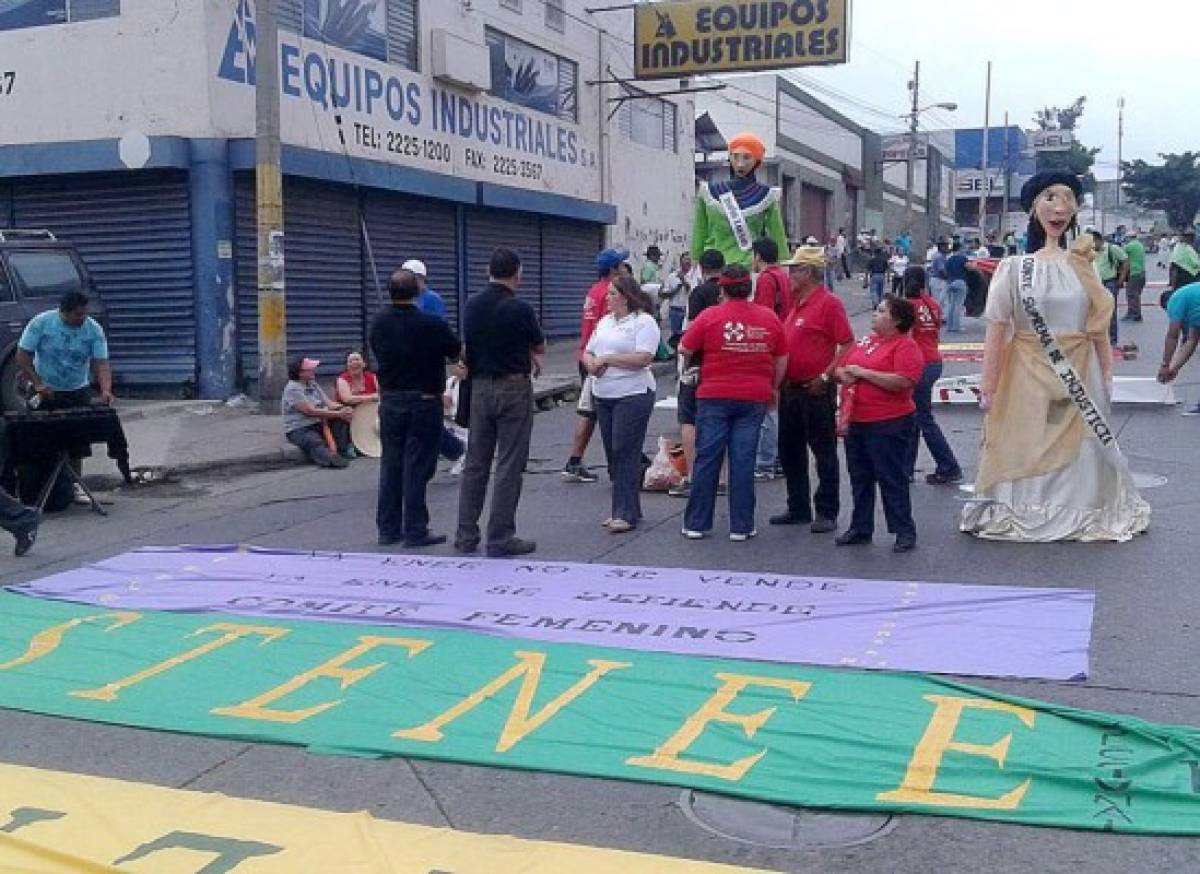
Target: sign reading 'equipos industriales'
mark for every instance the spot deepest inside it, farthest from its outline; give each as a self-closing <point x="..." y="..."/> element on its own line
<point x="702" y="36"/>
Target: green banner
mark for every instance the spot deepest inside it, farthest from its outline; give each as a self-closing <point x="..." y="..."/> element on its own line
<point x="783" y="733"/>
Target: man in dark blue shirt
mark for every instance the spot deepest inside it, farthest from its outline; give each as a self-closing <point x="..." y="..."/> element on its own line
<point x="956" y="291"/>
<point x="503" y="340"/>
<point x="412" y="348"/>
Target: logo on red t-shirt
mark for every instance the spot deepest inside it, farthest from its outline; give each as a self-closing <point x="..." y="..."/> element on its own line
<point x="735" y="332"/>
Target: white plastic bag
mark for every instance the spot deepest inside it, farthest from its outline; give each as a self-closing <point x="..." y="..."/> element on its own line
<point x="662" y="475"/>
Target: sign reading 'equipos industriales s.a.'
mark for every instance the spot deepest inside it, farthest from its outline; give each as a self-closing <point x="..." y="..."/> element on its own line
<point x="685" y="37"/>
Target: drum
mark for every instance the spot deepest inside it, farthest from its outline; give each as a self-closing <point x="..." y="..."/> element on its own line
<point x="364" y="430"/>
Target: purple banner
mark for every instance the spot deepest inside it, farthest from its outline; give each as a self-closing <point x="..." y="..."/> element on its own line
<point x="998" y="631"/>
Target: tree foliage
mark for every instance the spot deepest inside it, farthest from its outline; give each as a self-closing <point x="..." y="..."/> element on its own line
<point x="1060" y="118"/>
<point x="1173" y="186"/>
<point x="1079" y="158"/>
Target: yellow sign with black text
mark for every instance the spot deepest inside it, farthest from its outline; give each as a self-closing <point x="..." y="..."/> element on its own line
<point x="54" y="823"/>
<point x="686" y="37"/>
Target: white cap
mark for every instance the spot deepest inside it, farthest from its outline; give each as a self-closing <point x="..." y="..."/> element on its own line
<point x="417" y="267"/>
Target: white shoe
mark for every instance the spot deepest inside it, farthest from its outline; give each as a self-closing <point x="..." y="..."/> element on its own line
<point x="693" y="535"/>
<point x="738" y="537"/>
<point x="79" y="496"/>
<point x="456" y="469"/>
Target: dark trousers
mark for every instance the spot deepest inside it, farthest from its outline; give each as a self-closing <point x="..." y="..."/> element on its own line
<point x="876" y="455"/>
<point x="1134" y="286"/>
<point x="15" y="517"/>
<point x="501" y="425"/>
<point x="924" y="425"/>
<point x="410" y="429"/>
<point x="1115" y="291"/>
<point x="311" y="441"/>
<point x="623" y="423"/>
<point x="808" y="423"/>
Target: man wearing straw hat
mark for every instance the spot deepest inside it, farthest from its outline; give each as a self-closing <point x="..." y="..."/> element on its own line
<point x="818" y="333"/>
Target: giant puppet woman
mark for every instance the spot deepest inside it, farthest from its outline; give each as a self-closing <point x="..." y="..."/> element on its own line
<point x="1050" y="468"/>
<point x="732" y="213"/>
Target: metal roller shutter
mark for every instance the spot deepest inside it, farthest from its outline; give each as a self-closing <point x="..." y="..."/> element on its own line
<point x="403" y="227"/>
<point x="133" y="231"/>
<point x="322" y="251"/>
<point x="519" y="231"/>
<point x="568" y="270"/>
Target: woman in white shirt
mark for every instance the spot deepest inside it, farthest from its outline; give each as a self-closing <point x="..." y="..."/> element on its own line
<point x="619" y="356"/>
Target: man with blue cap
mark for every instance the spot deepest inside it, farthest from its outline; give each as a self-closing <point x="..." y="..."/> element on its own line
<point x="608" y="262"/>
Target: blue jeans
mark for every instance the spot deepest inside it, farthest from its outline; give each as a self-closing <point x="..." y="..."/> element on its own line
<point x="924" y="425"/>
<point x="877" y="288"/>
<point x="937" y="288"/>
<point x="875" y="456"/>
<point x="410" y="429"/>
<point x="768" y="442"/>
<point x="1115" y="291"/>
<point x="676" y="315"/>
<point x="723" y="425"/>
<point x="956" y="296"/>
<point x="623" y="423"/>
<point x="830" y="276"/>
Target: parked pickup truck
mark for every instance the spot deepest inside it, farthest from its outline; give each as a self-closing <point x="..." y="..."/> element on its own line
<point x="36" y="269"/>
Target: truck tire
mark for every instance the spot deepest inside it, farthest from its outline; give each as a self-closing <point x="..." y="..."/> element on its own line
<point x="11" y="396"/>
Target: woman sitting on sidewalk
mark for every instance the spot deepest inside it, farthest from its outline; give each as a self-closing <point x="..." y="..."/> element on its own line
<point x="307" y="409"/>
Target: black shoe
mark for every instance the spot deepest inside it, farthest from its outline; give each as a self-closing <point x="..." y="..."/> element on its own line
<point x="789" y="518"/>
<point x="465" y="546"/>
<point x="387" y="540"/>
<point x="516" y="546"/>
<point x="850" y="537"/>
<point x="944" y="479"/>
<point x="904" y="544"/>
<point x="427" y="540"/>
<point x="25" y="541"/>
<point x="576" y="472"/>
<point x="338" y="461"/>
<point x="823" y="525"/>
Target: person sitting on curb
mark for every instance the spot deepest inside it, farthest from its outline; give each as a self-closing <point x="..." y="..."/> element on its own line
<point x="356" y="385"/>
<point x="307" y="409"/>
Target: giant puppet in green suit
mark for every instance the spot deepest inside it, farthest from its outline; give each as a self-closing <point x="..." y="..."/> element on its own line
<point x="732" y="213"/>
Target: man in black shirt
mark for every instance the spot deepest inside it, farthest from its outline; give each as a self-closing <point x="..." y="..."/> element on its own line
<point x="411" y="348"/>
<point x="503" y="340"/>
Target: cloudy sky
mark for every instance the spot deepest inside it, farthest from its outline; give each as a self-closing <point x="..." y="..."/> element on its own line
<point x="1043" y="52"/>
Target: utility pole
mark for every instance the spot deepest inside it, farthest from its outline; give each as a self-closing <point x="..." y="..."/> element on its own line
<point x="272" y="299"/>
<point x="1120" y="144"/>
<point x="1004" y="207"/>
<point x="914" y="86"/>
<point x="983" y="160"/>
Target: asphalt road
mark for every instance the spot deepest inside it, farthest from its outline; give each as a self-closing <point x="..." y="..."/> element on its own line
<point x="1144" y="644"/>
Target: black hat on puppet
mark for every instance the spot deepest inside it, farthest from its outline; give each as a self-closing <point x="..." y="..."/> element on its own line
<point x="1039" y="182"/>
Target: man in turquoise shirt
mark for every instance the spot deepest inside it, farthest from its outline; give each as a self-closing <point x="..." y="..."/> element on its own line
<point x="1183" y="310"/>
<point x="60" y="349"/>
<point x="1135" y="281"/>
<point x="1110" y="266"/>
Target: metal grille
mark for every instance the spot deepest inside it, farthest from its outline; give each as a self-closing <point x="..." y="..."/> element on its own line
<point x="84" y="10"/>
<point x="568" y="270"/>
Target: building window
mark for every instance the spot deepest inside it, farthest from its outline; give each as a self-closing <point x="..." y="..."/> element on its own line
<point x="531" y="77"/>
<point x="649" y="121"/>
<point x="386" y="31"/>
<point x="514" y="5"/>
<point x="555" y="19"/>
<point x="34" y="13"/>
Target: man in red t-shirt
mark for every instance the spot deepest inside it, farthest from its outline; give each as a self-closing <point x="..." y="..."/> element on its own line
<point x="608" y="263"/>
<point x="744" y="360"/>
<point x="926" y="330"/>
<point x="818" y="334"/>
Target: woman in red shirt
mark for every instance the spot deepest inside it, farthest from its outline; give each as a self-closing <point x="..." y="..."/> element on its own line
<point x="879" y="374"/>
<point x="926" y="330"/>
<point x="745" y="357"/>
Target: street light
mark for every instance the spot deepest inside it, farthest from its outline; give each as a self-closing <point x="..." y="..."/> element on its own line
<point x="913" y="118"/>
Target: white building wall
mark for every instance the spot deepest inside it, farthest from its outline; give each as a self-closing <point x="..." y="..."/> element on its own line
<point x="747" y="104"/>
<point x="804" y="124"/>
<point x="142" y="71"/>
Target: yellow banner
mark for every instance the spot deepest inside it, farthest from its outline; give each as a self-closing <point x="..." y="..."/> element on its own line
<point x="55" y="822"/>
<point x="683" y="37"/>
